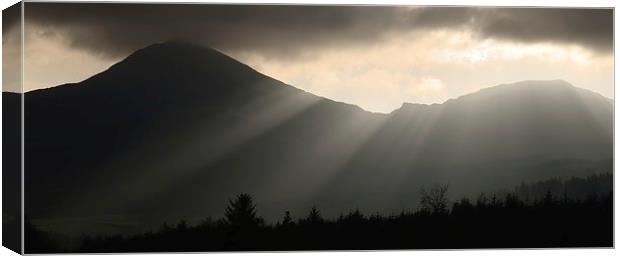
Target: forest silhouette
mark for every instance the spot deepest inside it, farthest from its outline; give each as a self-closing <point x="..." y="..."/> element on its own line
<point x="571" y="213"/>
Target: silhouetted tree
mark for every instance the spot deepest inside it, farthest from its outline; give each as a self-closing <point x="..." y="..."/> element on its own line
<point x="182" y="226"/>
<point x="548" y="201"/>
<point x="463" y="208"/>
<point x="314" y="217"/>
<point x="355" y="218"/>
<point x="482" y="201"/>
<point x="242" y="212"/>
<point x="495" y="203"/>
<point x="435" y="200"/>
<point x="287" y="220"/>
<point x="512" y="202"/>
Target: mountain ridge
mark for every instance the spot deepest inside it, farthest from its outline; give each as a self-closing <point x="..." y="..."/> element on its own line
<point x="159" y="141"/>
<point x="189" y="50"/>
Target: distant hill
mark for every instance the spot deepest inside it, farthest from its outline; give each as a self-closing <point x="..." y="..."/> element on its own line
<point x="175" y="130"/>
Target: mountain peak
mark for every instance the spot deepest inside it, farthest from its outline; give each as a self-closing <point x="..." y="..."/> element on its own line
<point x="519" y="92"/>
<point x="535" y="88"/>
<point x="177" y="63"/>
<point x="177" y="53"/>
<point x="413" y="107"/>
<point x="173" y="47"/>
<point x="534" y="84"/>
<point x="549" y="89"/>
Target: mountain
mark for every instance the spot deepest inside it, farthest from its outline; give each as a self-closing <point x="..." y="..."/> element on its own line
<point x="175" y="130"/>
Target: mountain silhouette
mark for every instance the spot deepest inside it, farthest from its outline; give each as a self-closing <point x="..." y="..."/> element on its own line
<point x="174" y="130"/>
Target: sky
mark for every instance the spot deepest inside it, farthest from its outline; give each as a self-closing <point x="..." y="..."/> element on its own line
<point x="376" y="57"/>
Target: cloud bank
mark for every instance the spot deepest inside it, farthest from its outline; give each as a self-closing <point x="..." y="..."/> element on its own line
<point x="279" y="31"/>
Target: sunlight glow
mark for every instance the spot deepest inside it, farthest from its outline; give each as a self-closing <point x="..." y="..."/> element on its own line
<point x="381" y="77"/>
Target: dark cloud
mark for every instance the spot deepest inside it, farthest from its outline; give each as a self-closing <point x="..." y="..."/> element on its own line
<point x="287" y="31"/>
<point x="592" y="28"/>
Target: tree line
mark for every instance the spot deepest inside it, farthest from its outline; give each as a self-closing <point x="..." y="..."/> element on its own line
<point x="488" y="221"/>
